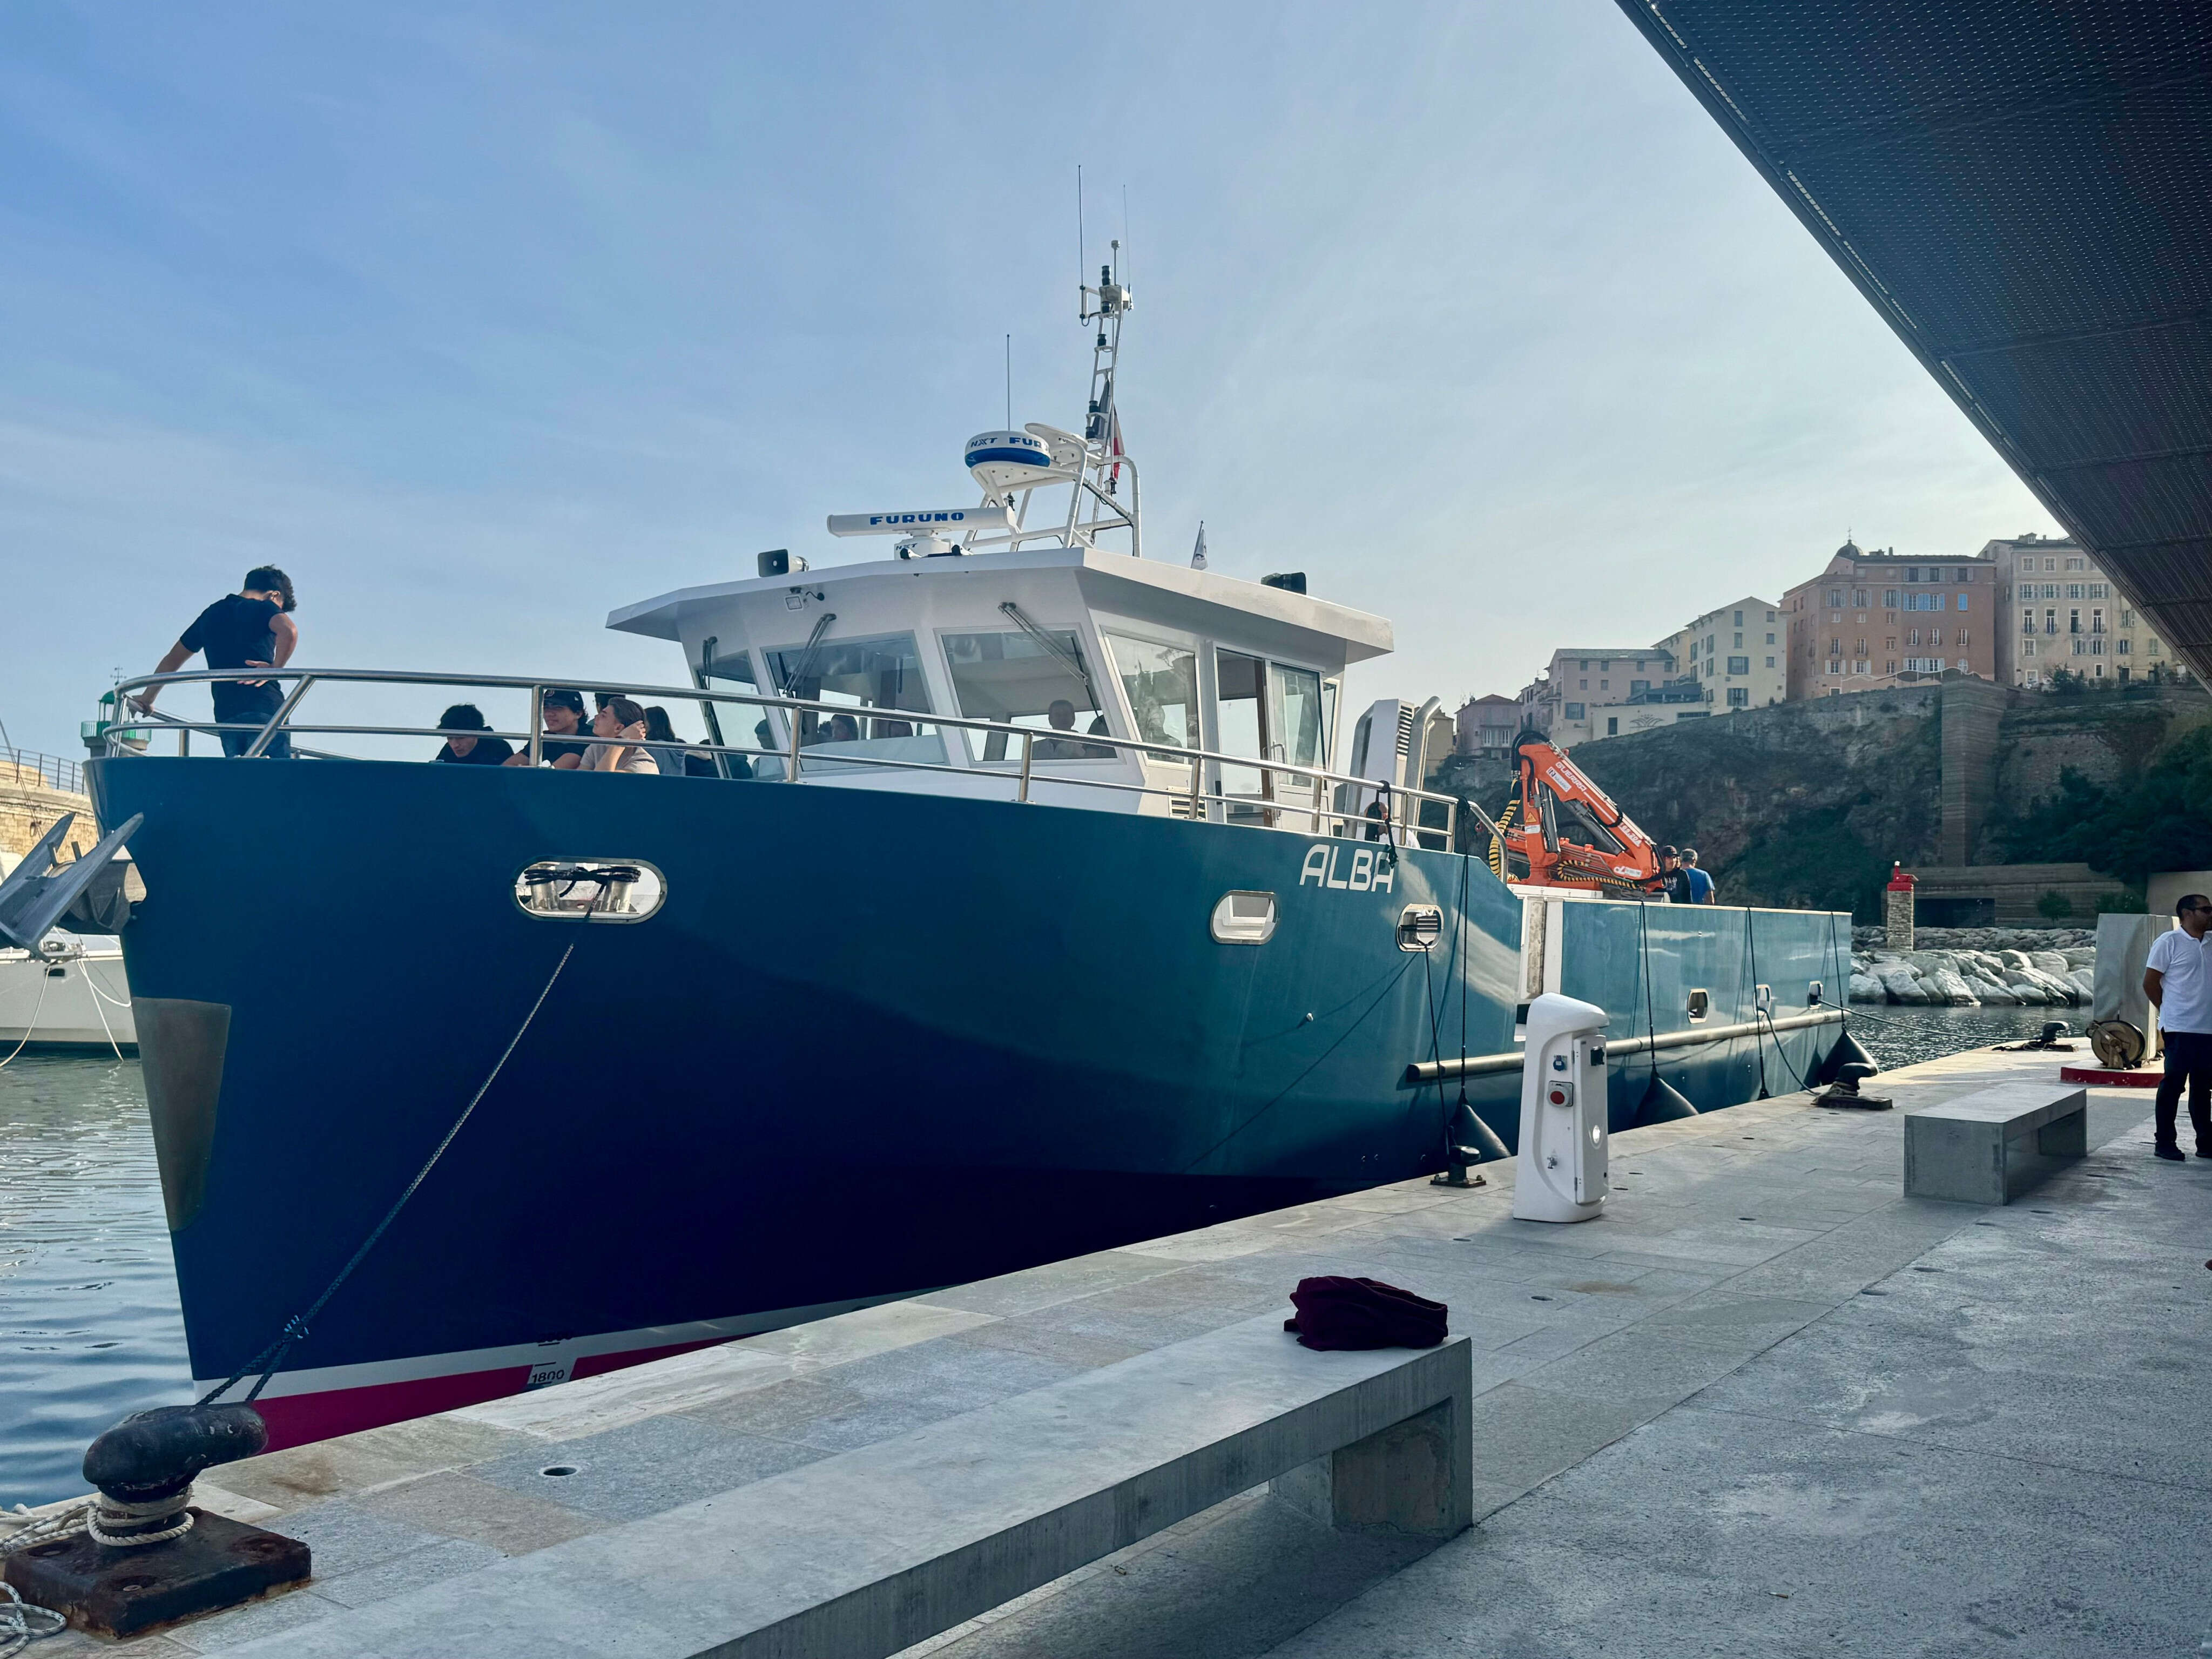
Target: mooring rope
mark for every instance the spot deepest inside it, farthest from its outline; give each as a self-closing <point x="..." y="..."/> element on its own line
<point x="296" y="1328"/>
<point x="18" y="1622"/>
<point x="34" y="1026"/>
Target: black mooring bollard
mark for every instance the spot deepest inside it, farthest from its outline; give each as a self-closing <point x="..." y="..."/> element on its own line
<point x="146" y="1557"/>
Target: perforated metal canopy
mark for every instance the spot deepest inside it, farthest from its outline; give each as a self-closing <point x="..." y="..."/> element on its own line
<point x="2023" y="188"/>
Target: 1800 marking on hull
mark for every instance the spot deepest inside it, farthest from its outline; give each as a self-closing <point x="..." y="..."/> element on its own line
<point x="1368" y="872"/>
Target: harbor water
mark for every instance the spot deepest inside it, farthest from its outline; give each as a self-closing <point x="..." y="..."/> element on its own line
<point x="89" y="1328"/>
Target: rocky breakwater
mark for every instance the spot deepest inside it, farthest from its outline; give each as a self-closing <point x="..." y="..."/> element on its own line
<point x="1968" y="978"/>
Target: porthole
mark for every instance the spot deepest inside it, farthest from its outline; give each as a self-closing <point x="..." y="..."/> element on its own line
<point x="1420" y="927"/>
<point x="590" y="890"/>
<point x="1244" y="918"/>
<point x="1701" y="1003"/>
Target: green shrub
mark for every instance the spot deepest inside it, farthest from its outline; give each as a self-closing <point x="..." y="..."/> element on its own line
<point x="2054" y="906"/>
<point x="2121" y="904"/>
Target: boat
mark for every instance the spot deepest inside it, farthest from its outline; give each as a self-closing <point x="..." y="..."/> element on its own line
<point x="1017" y="906"/>
<point x="69" y="994"/>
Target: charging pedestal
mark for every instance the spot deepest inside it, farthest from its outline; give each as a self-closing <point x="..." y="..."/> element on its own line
<point x="1564" y="1150"/>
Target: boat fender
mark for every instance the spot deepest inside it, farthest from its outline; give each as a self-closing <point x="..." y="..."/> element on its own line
<point x="1472" y="1141"/>
<point x="1845" y="1053"/>
<point x="1663" y="1103"/>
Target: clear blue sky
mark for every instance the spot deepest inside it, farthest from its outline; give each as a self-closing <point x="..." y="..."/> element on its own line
<point x="482" y="319"/>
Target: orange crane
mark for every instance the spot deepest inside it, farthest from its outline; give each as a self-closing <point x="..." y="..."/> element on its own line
<point x="1566" y="831"/>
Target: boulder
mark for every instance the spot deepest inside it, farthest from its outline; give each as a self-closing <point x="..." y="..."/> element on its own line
<point x="2013" y="959"/>
<point x="1865" y="987"/>
<point x="2080" y="955"/>
<point x="2049" y="962"/>
<point x="2030" y="995"/>
<point x="1953" y="989"/>
<point x="1898" y="982"/>
<point x="2083" y="980"/>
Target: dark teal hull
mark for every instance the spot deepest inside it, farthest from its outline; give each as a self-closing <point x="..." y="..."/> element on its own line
<point x="871" y="1042"/>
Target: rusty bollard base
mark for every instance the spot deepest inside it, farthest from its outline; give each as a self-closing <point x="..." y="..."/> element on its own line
<point x="125" y="1592"/>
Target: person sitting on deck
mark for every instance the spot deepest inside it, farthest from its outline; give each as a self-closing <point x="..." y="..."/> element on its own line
<point x="462" y="749"/>
<point x="621" y="725"/>
<point x="842" y="728"/>
<point x="563" y="715"/>
<point x="667" y="751"/>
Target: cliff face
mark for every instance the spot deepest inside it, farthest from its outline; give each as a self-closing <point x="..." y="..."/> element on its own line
<point x="1807" y="803"/>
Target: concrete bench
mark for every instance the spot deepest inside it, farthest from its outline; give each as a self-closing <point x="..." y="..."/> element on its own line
<point x="869" y="1551"/>
<point x="1991" y="1146"/>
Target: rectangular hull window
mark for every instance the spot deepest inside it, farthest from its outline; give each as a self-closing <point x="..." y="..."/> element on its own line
<point x="1244" y="918"/>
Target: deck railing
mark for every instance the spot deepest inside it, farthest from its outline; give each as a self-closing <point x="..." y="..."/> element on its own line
<point x="1289" y="796"/>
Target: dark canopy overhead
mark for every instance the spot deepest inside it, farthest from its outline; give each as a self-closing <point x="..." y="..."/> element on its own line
<point x="2023" y="188"/>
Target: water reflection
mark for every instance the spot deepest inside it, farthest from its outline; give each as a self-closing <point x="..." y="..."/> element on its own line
<point x="88" y="1322"/>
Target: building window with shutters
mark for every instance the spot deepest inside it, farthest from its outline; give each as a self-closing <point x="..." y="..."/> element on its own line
<point x="2081" y="647"/>
<point x="1739" y="665"/>
<point x="2027" y="621"/>
<point x="2075" y="564"/>
<point x="1739" y="696"/>
<point x="2124" y="647"/>
<point x="1961" y="637"/>
<point x="2097" y="619"/>
<point x="2074" y="621"/>
<point x="1574" y="711"/>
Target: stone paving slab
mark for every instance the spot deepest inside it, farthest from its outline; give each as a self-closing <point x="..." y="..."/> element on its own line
<point x="1715" y="1320"/>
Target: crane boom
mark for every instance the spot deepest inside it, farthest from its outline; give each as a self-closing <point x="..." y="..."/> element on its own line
<point x="1567" y="831"/>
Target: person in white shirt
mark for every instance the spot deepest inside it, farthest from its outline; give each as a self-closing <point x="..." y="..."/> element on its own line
<point x="2178" y="979"/>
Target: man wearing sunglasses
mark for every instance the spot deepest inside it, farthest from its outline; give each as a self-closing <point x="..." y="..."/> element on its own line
<point x="2179" y="982"/>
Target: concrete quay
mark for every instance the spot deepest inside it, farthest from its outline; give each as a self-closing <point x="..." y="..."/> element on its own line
<point x="1765" y="1405"/>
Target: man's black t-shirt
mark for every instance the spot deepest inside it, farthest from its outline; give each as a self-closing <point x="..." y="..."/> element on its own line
<point x="488" y="751"/>
<point x="1676" y="882"/>
<point x="232" y="632"/>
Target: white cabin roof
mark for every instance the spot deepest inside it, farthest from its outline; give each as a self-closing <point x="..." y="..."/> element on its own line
<point x="1200" y="600"/>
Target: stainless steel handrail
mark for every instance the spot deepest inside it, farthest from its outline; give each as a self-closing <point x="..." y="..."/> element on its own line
<point x="1403" y="827"/>
<point x="1437" y="1070"/>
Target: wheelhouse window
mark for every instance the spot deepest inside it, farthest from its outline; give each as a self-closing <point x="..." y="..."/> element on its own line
<point x="741" y="726"/>
<point x="879" y="684"/>
<point x="1161" y="682"/>
<point x="1015" y="679"/>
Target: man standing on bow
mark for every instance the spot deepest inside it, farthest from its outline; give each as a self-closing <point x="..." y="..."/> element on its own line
<point x="250" y="629"/>
<point x="2178" y="979"/>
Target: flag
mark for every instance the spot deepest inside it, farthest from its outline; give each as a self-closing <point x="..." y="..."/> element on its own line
<point x="1198" y="553"/>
